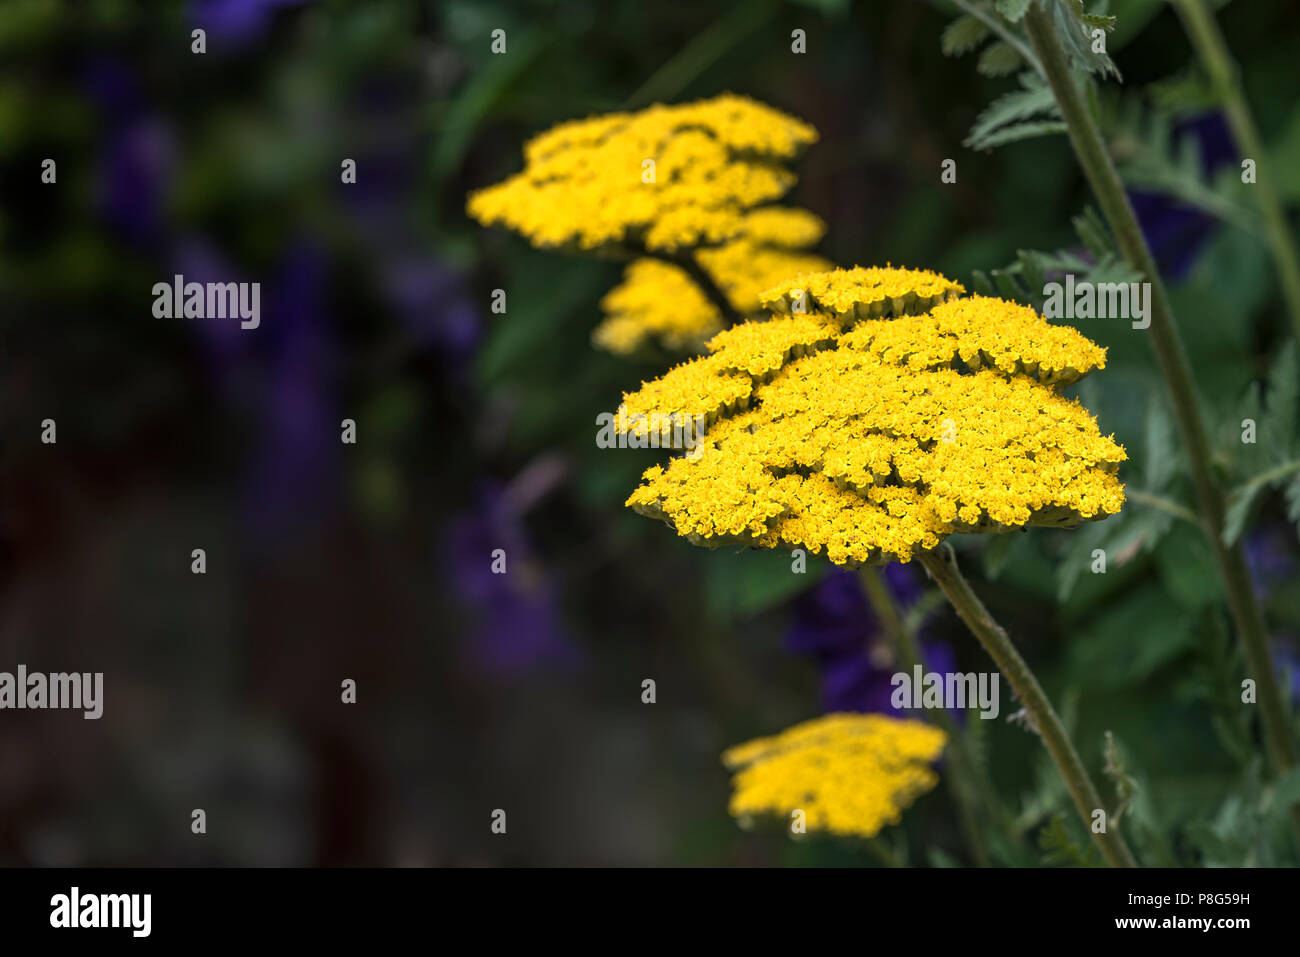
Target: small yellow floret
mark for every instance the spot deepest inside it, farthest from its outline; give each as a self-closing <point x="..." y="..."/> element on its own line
<point x="849" y="773"/>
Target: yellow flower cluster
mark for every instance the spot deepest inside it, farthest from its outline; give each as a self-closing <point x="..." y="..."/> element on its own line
<point x="666" y="178"/>
<point x="848" y="773"/>
<point x="828" y="433"/>
<point x="658" y="301"/>
<point x="862" y="293"/>
<point x="978" y="332"/>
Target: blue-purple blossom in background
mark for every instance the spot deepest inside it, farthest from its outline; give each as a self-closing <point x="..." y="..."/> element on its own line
<point x="834" y="624"/>
<point x="136" y="154"/>
<point x="237" y="21"/>
<point x="514" y="615"/>
<point x="1175" y="231"/>
<point x="1271" y="558"/>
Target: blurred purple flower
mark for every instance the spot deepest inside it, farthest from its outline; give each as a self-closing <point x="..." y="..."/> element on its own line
<point x="237" y="21"/>
<point x="1175" y="231"/>
<point x="427" y="295"/>
<point x="282" y="375"/>
<point x="835" y="624"/>
<point x="136" y="154"/>
<point x="1270" y="558"/>
<point x="296" y="473"/>
<point x="134" y="170"/>
<point x="516" y="626"/>
<point x="226" y="347"/>
<point x="431" y="301"/>
<point x="1286" y="659"/>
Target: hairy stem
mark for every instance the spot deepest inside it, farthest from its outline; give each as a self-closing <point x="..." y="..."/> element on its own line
<point x="943" y="569"/>
<point x="1213" y="52"/>
<point x="1086" y="139"/>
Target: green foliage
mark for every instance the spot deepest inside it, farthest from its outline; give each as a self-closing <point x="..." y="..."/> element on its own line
<point x="1148" y="155"/>
<point x="1075" y="29"/>
<point x="1248" y="830"/>
<point x="1024" y="113"/>
<point x="1012" y="10"/>
<point x="963" y="35"/>
<point x="1023" y="280"/>
<point x="999" y="59"/>
<point x="1274" y="456"/>
<point x="1060" y="849"/>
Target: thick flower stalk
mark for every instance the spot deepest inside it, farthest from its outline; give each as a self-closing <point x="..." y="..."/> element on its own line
<point x="850" y="774"/>
<point x="685" y="192"/>
<point x="881" y="412"/>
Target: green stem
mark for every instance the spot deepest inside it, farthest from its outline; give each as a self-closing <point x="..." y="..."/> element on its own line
<point x="1100" y="171"/>
<point x="1224" y="75"/>
<point x="943" y="569"/>
<point x="963" y="768"/>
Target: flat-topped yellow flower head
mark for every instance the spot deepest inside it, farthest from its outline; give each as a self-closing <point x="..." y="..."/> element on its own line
<point x="664" y="179"/>
<point x="874" y="439"/>
<point x="658" y="302"/>
<point x="848" y="773"/>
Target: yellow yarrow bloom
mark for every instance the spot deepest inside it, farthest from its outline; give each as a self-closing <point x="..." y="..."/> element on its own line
<point x="666" y="179"/>
<point x="862" y="293"/>
<point x="849" y="773"/>
<point x="658" y="301"/>
<point x="874" y="439"/>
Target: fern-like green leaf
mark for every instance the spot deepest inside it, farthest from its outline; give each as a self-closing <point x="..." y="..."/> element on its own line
<point x="1148" y="155"/>
<point x="1076" y="36"/>
<point x="999" y="59"/>
<point x="1019" y="131"/>
<point x="1012" y="10"/>
<point x="962" y="35"/>
<point x="1058" y="847"/>
<point x="1036" y="100"/>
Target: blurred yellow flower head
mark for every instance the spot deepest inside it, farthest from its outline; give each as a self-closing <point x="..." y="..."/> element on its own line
<point x="848" y="773"/>
<point x="877" y="413"/>
<point x="664" y="179"/>
<point x="658" y="301"/>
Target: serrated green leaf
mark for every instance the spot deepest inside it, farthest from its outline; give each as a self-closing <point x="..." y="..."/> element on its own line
<point x="1148" y="155"/>
<point x="962" y="35"/>
<point x="1059" y="848"/>
<point x="1279" y="423"/>
<point x="1012" y="10"/>
<point x="1007" y="285"/>
<point x="999" y="59"/>
<point x="1010" y="109"/>
<point x="1031" y="263"/>
<point x="1286" y="792"/>
<point x="1017" y="132"/>
<point x="1293" y="501"/>
<point x="980" y="283"/>
<point x="1241" y="504"/>
<point x="1076" y="37"/>
<point x="1185" y="92"/>
<point x="1092" y="233"/>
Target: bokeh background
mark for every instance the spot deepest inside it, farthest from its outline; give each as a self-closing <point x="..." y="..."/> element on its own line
<point x="476" y="431"/>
